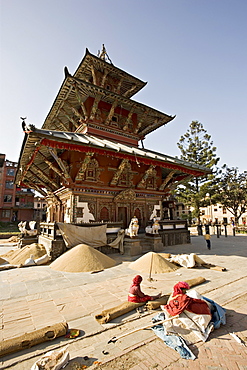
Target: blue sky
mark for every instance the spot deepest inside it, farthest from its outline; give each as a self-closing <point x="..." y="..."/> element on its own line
<point x="192" y="53"/>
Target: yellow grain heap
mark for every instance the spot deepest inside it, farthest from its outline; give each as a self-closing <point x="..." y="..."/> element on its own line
<point x="82" y="258"/>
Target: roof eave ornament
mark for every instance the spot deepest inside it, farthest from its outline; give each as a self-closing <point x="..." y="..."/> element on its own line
<point x="27" y="128"/>
<point x="103" y="54"/>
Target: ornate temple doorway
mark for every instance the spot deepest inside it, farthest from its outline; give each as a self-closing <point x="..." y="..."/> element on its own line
<point x="122" y="216"/>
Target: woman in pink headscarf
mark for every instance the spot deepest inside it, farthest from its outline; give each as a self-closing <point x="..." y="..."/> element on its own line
<point x="136" y="295"/>
<point x="180" y="301"/>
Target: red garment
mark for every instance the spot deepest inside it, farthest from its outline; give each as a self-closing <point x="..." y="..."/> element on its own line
<point x="139" y="299"/>
<point x="181" y="302"/>
<point x="135" y="293"/>
<point x="177" y="289"/>
<point x="137" y="280"/>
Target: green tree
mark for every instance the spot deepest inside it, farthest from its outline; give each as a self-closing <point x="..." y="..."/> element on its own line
<point x="197" y="147"/>
<point x="232" y="191"/>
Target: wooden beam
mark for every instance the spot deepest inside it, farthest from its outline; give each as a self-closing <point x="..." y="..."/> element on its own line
<point x="128" y="118"/>
<point x="93" y="74"/>
<point x="36" y="187"/>
<point x="65" y="128"/>
<point x="167" y="179"/>
<point x="130" y="90"/>
<point x="53" y="152"/>
<point x="54" y="123"/>
<point x="41" y="173"/>
<point x="77" y="93"/>
<point x="51" y="165"/>
<point x="119" y="85"/>
<point x="104" y="78"/>
<point x="47" y="186"/>
<point x="141" y="121"/>
<point x="69" y="118"/>
<point x="111" y="113"/>
<point x="95" y="106"/>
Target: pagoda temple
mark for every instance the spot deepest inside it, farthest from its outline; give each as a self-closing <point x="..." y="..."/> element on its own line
<point x="88" y="158"/>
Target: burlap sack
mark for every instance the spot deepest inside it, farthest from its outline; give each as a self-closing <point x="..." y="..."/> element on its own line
<point x="28" y="340"/>
<point x="111" y="313"/>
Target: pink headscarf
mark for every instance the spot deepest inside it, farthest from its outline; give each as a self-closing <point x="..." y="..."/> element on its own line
<point x="137" y="280"/>
<point x="177" y="289"/>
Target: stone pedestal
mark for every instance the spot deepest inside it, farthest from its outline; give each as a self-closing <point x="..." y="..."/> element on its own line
<point x="155" y="242"/>
<point x="142" y="244"/>
<point x="54" y="248"/>
<point x="132" y="246"/>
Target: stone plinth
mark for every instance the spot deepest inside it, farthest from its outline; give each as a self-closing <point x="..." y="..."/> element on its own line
<point x="142" y="244"/>
<point x="155" y="242"/>
<point x="132" y="246"/>
<point x="54" y="247"/>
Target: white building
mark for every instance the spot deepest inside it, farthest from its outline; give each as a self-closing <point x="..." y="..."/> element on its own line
<point x="216" y="213"/>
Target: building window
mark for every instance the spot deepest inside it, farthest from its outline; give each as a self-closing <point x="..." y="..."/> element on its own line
<point x="224" y="210"/>
<point x="215" y="210"/>
<point x="5" y="213"/>
<point x="38" y="205"/>
<point x="7" y="198"/>
<point x="9" y="184"/>
<point x="10" y="172"/>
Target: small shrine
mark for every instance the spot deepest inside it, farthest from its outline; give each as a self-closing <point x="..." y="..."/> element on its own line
<point x="88" y="159"/>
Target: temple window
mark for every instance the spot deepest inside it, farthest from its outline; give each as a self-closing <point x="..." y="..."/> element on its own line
<point x="91" y="171"/>
<point x="104" y="214"/>
<point x="123" y="180"/>
<point x="114" y="121"/>
<point x="150" y="183"/>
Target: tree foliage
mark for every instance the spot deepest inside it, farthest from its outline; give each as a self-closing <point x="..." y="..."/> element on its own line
<point x="197" y="147"/>
<point x="232" y="191"/>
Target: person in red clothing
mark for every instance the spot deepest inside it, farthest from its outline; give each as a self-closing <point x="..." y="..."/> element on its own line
<point x="135" y="293"/>
<point x="180" y="301"/>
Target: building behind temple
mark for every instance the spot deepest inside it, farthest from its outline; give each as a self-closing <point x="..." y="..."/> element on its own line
<point x="16" y="203"/>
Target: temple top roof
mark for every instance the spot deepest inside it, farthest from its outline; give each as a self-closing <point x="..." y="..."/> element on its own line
<point x="130" y="85"/>
<point x="103" y="83"/>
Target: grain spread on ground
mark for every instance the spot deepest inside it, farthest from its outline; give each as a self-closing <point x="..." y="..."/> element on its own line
<point x="19" y="256"/>
<point x="152" y="263"/>
<point x="82" y="258"/>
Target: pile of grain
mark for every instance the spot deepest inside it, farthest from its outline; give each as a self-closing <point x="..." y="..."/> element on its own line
<point x="152" y="263"/>
<point x="82" y="258"/>
<point x="19" y="256"/>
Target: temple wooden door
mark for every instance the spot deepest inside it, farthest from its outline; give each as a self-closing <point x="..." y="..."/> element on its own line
<point x="122" y="216"/>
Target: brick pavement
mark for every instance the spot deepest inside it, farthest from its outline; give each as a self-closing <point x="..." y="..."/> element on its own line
<point x="39" y="296"/>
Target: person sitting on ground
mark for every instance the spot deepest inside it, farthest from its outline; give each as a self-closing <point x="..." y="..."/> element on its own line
<point x="135" y="293"/>
<point x="180" y="301"/>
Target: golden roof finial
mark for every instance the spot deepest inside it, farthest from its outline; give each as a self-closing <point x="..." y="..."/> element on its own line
<point x="103" y="54"/>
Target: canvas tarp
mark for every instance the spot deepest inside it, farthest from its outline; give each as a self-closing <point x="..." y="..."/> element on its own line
<point x="94" y="236"/>
<point x="73" y="235"/>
